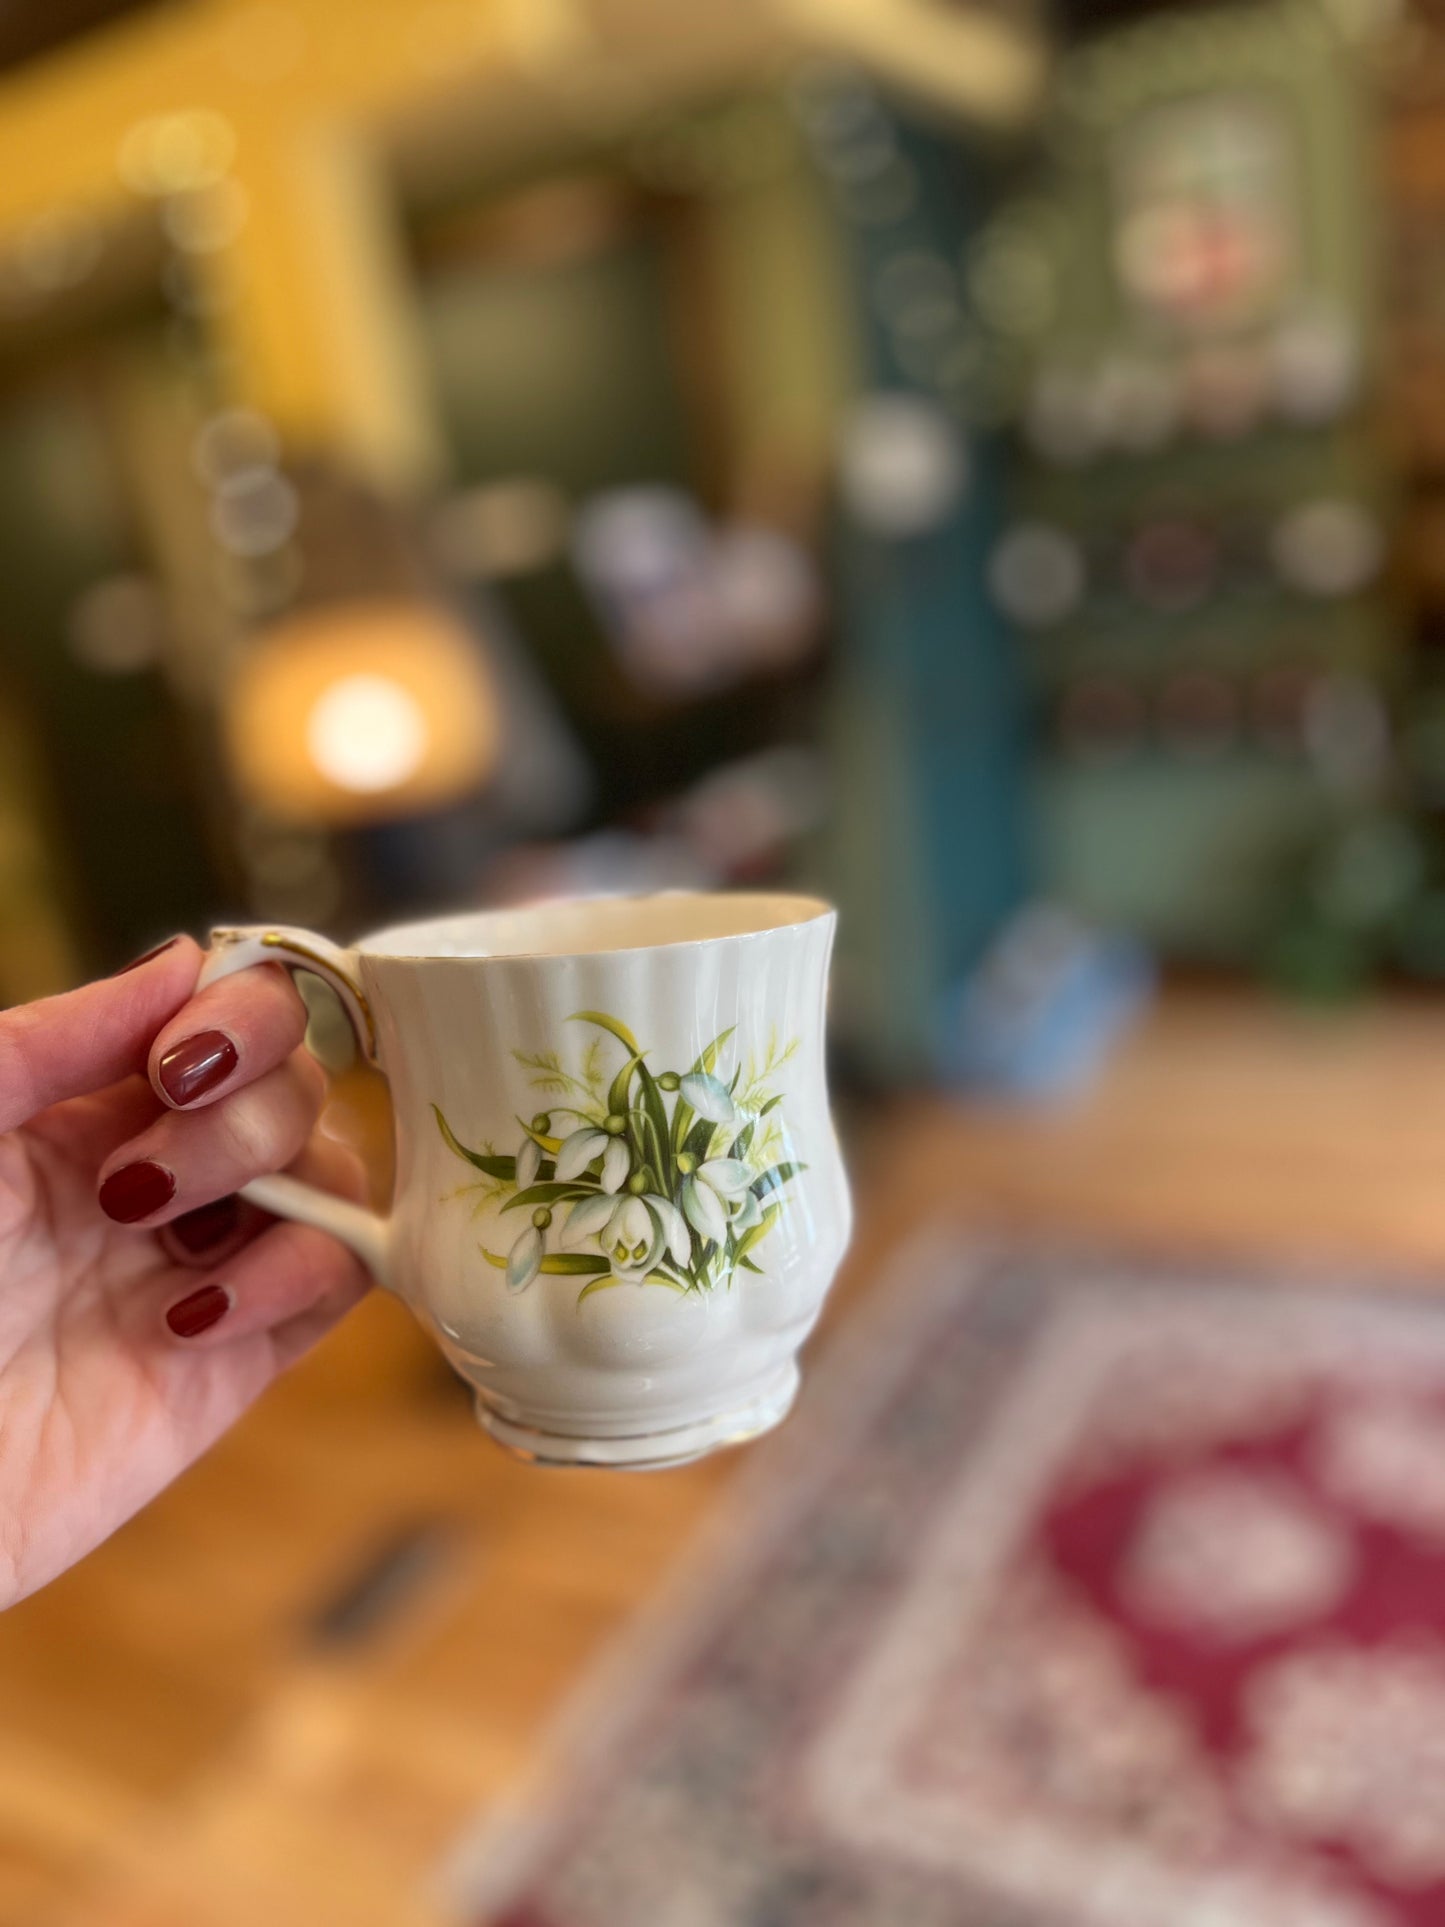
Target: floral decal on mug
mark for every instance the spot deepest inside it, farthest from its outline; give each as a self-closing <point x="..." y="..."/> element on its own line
<point x="670" y="1178"/>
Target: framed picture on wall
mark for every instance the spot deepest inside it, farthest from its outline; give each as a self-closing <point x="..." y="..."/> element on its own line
<point x="1206" y="213"/>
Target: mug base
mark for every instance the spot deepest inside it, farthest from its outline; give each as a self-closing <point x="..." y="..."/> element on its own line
<point x="648" y="1451"/>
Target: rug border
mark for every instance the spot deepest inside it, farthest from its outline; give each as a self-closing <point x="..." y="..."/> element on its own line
<point x="856" y="1371"/>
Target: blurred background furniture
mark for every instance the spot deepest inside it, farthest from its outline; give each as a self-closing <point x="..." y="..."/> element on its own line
<point x="1003" y="412"/>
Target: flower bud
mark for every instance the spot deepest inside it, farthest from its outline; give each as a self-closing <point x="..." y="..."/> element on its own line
<point x="542" y="1123"/>
<point x="541" y="1217"/>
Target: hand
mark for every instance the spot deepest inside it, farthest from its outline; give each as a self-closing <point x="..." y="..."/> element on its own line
<point x="142" y="1305"/>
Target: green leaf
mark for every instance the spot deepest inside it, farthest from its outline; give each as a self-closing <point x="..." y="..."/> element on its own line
<point x="776" y="1178"/>
<point x="552" y="1144"/>
<point x="656" y="1113"/>
<point x="756" y="1233"/>
<point x="743" y="1139"/>
<point x="604" y="1022"/>
<point x="592" y="1063"/>
<point x="561" y="1264"/>
<point x="617" y="1094"/>
<point x="699" y="1138"/>
<point x="549" y="1076"/>
<point x="748" y="1265"/>
<point x="641" y="1160"/>
<point x="771" y="1105"/>
<point x="682" y="1117"/>
<point x="653" y="1278"/>
<point x="598" y="1284"/>
<point x="494" y="1167"/>
<point x="550" y="1192"/>
<point x="644" y="1152"/>
<point x="708" y="1060"/>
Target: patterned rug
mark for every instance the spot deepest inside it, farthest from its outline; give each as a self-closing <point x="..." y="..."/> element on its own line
<point x="1079" y="1593"/>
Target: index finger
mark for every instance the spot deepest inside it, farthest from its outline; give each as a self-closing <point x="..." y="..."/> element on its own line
<point x="227" y="1035"/>
<point x="85" y="1039"/>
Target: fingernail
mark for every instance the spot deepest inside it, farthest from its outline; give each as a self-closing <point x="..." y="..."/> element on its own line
<point x="158" y="951"/>
<point x="203" y="1229"/>
<point x="196" y="1066"/>
<point x="189" y="1317"/>
<point x="135" y="1190"/>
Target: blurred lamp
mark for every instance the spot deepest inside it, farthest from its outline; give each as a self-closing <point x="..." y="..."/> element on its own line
<point x="362" y="711"/>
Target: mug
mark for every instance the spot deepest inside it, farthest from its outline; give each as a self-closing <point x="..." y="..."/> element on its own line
<point x="619" y="1198"/>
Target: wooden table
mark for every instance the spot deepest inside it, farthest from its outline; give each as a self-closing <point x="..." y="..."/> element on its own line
<point x="182" y="1745"/>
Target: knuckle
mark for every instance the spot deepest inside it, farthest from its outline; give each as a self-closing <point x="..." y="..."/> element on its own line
<point x="19" y="1032"/>
<point x="262" y="1125"/>
<point x="260" y="1004"/>
<point x="269" y="991"/>
<point x="250" y="1135"/>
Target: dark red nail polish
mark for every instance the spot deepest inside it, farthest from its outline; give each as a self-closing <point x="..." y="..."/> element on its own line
<point x="189" y="1317"/>
<point x="135" y="1190"/>
<point x="158" y="950"/>
<point x="202" y="1230"/>
<point x="197" y="1066"/>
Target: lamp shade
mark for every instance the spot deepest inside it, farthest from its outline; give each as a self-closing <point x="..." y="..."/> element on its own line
<point x="362" y="711"/>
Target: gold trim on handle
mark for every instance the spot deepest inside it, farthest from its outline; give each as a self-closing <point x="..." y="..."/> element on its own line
<point x="273" y="940"/>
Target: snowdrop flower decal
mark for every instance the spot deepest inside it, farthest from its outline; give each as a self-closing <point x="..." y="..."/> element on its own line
<point x="633" y="1232"/>
<point x="708" y="1096"/>
<point x="668" y="1178"/>
<point x="529" y="1162"/>
<point x="710" y="1194"/>
<point x="584" y="1147"/>
<point x="524" y="1260"/>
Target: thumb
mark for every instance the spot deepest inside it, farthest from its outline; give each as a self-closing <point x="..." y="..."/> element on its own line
<point x="85" y="1039"/>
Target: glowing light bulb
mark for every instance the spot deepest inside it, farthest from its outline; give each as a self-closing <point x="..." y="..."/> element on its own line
<point x="367" y="733"/>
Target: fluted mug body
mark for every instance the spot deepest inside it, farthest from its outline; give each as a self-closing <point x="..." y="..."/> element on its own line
<point x="619" y="1197"/>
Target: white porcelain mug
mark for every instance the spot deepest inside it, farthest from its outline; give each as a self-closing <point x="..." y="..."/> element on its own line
<point x="619" y="1198"/>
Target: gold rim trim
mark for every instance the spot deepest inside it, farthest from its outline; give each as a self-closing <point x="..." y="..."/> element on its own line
<point x="273" y="940"/>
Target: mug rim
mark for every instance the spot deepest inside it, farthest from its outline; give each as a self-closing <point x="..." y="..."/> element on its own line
<point x="803" y="910"/>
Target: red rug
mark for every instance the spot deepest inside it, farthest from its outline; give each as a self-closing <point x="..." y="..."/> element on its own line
<point x="1076" y="1593"/>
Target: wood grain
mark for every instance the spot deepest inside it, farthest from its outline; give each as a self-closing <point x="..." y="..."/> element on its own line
<point x="182" y="1747"/>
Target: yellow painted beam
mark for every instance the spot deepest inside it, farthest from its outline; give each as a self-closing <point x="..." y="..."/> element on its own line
<point x="318" y="309"/>
<point x="311" y="307"/>
<point x="988" y="69"/>
<point x="255" y="128"/>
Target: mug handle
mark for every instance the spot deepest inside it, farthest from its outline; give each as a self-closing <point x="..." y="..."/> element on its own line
<point x="365" y="1232"/>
